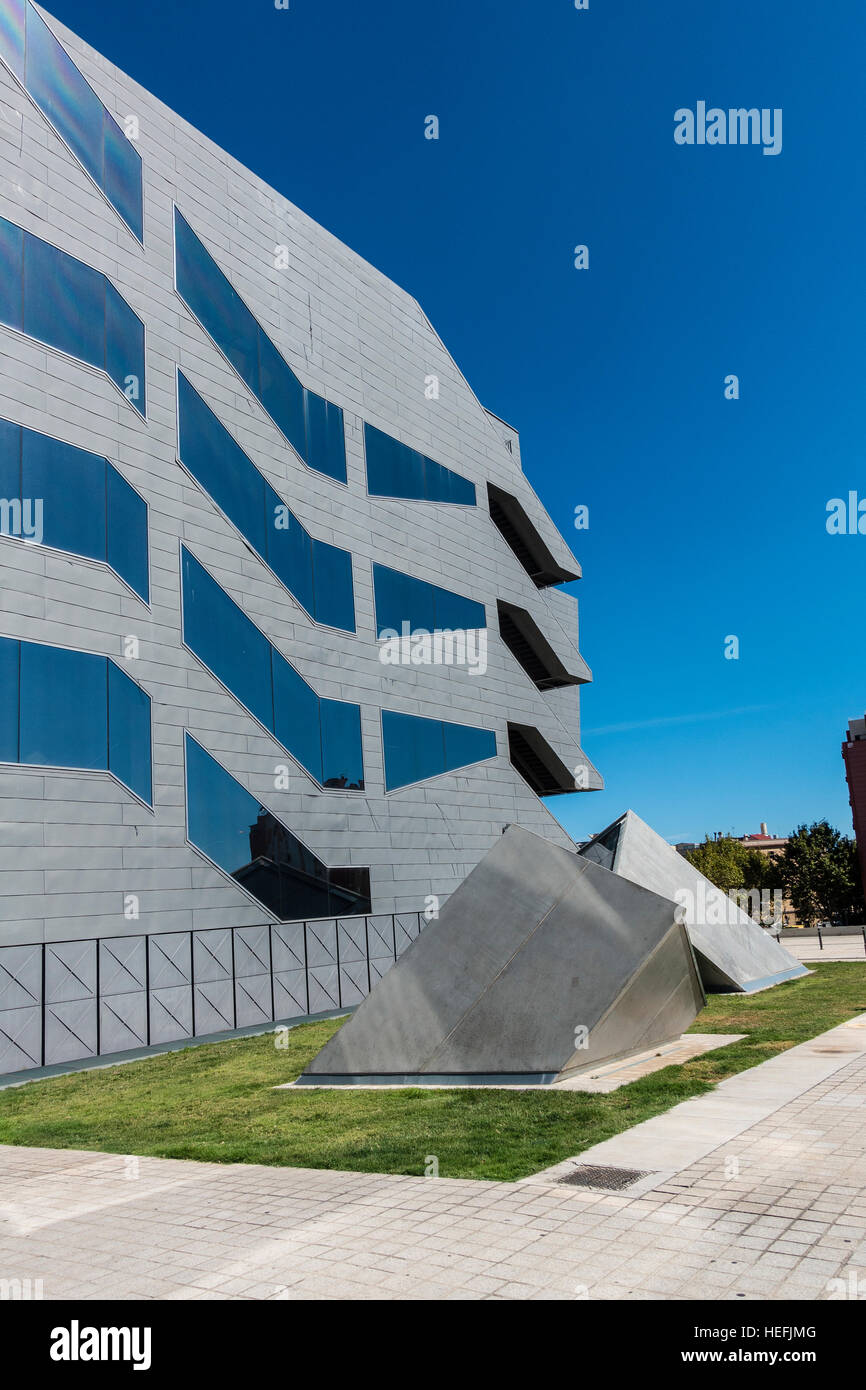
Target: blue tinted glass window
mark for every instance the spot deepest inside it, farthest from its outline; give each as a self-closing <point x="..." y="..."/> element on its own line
<point x="342" y="761"/>
<point x="225" y="316"/>
<point x="248" y="842"/>
<point x="220" y="812"/>
<point x="234" y="649"/>
<point x="69" y="102"/>
<point x="12" y="36"/>
<point x="384" y="471"/>
<point x="127" y="533"/>
<point x="401" y="598"/>
<point x="71" y="484"/>
<point x="417" y="748"/>
<point x="326" y="440"/>
<point x="334" y="589"/>
<point x="443" y="485"/>
<point x="217" y="306"/>
<point x="68" y="305"/>
<point x="8" y="700"/>
<point x="297" y="721"/>
<point x="453" y="611"/>
<point x="124" y="347"/>
<point x="11" y="273"/>
<point x="129" y="733"/>
<point x="122" y="182"/>
<point x="289" y="550"/>
<point x="414" y="748"/>
<point x="193" y="268"/>
<point x="63" y="708"/>
<point x="226" y="641"/>
<point x="464" y="745"/>
<point x="281" y="394"/>
<point x="10" y="470"/>
<point x="64" y="302"/>
<point x="220" y="465"/>
<point x="233" y="327"/>
<point x="395" y="470"/>
<point x="70" y="709"/>
<point x="75" y="500"/>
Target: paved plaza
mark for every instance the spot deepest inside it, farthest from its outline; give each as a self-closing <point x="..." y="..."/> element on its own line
<point x="768" y="1202"/>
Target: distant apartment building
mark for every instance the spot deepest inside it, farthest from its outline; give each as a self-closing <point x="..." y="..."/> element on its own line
<point x="854" y="757"/>
<point x="764" y="842"/>
<point x="771" y="847"/>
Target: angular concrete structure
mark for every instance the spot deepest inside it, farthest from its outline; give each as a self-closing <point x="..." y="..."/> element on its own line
<point x="541" y="964"/>
<point x="733" y="952"/>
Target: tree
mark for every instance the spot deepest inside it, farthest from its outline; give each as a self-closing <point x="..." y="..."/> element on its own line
<point x="818" y="868"/>
<point x="728" y="863"/>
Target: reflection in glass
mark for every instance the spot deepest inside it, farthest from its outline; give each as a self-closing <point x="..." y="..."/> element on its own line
<point x="87" y="508"/>
<point x="417" y="748"/>
<point x="323" y="735"/>
<point x="342" y="765"/>
<point x="395" y="470"/>
<point x="59" y="300"/>
<point x="403" y="598"/>
<point x="64" y="302"/>
<point x="66" y="99"/>
<point x="126" y="540"/>
<point x="71" y="483"/>
<point x="225" y="639"/>
<point x="9" y="658"/>
<point x="316" y="574"/>
<point x="313" y="426"/>
<point x="256" y="849"/>
<point x="62" y="708"/>
<point x="59" y="89"/>
<point x="11" y="272"/>
<point x="129" y="733"/>
<point x="124" y="347"/>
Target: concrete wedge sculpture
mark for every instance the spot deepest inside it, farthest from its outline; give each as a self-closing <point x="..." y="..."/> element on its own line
<point x="733" y="951"/>
<point x="541" y="964"/>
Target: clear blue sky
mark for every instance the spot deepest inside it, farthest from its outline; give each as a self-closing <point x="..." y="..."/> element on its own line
<point x="707" y="516"/>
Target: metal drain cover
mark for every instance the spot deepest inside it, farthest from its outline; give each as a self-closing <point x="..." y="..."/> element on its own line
<point x="593" y="1175"/>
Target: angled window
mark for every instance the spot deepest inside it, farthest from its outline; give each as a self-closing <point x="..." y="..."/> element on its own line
<point x="244" y="839"/>
<point x="59" y="300"/>
<point x="312" y="425"/>
<point x="46" y="71"/>
<point x="602" y="848"/>
<point x="54" y="494"/>
<point x="417" y="748"/>
<point x="533" y="553"/>
<point x="537" y="762"/>
<point x="527" y="643"/>
<point x="400" y="598"/>
<point x="316" y="574"/>
<point x="323" y="735"/>
<point x="395" y="470"/>
<point x="70" y="709"/>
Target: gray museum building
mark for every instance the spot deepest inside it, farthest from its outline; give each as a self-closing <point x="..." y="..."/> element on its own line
<point x="282" y="651"/>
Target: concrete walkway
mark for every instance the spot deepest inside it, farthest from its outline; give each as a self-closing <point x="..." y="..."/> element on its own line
<point x="809" y="948"/>
<point x="774" y="1208"/>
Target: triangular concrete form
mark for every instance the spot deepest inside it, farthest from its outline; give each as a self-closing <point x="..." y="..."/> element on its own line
<point x="541" y="963"/>
<point x="733" y="951"/>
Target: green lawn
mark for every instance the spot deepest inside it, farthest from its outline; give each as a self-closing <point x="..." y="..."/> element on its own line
<point x="217" y="1102"/>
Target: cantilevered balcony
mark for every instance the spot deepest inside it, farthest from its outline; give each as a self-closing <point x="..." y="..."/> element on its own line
<point x="528" y="644"/>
